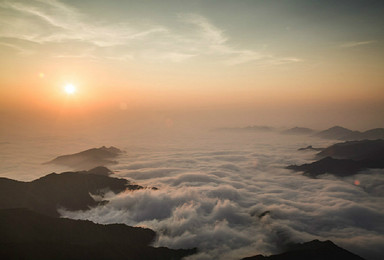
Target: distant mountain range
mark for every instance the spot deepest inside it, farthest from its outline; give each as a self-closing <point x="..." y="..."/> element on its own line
<point x="313" y="250"/>
<point x="334" y="133"/>
<point x="341" y="133"/>
<point x="88" y="159"/>
<point x="344" y="159"/>
<point x="25" y="234"/>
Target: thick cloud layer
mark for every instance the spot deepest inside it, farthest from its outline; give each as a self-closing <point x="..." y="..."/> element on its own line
<point x="227" y="194"/>
<point x="231" y="197"/>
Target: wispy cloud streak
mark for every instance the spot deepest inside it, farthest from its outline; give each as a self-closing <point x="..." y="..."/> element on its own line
<point x="356" y="44"/>
<point x="213" y="41"/>
<point x="44" y="22"/>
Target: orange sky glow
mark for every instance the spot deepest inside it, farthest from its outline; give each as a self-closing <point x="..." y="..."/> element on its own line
<point x="185" y="60"/>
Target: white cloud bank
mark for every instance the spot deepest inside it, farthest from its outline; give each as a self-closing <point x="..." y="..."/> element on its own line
<point x="214" y="199"/>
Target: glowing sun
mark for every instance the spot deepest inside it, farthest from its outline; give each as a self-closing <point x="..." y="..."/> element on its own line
<point x="70" y="89"/>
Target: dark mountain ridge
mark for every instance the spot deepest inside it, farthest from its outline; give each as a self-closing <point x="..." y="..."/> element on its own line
<point x="333" y="133"/>
<point x="88" y="159"/>
<point x="345" y="159"/>
<point x="69" y="190"/>
<point x="377" y="133"/>
<point x="354" y="150"/>
<point x="336" y="132"/>
<point x="338" y="167"/>
<point x="25" y="234"/>
<point x="341" y="133"/>
<point x="313" y="250"/>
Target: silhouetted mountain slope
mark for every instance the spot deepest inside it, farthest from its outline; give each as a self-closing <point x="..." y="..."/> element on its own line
<point x="355" y="150"/>
<point x="70" y="190"/>
<point x="313" y="250"/>
<point x="25" y="234"/>
<point x="100" y="170"/>
<point x="298" y="131"/>
<point x="341" y="133"/>
<point x="89" y="158"/>
<point x="377" y="133"/>
<point x="372" y="134"/>
<point x="344" y="159"/>
<point x="339" y="167"/>
<point x="336" y="132"/>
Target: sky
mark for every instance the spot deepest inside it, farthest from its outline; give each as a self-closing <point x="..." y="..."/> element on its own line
<point x="179" y="63"/>
<point x="139" y="68"/>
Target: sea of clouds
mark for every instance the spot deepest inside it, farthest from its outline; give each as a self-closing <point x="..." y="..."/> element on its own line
<point x="229" y="195"/>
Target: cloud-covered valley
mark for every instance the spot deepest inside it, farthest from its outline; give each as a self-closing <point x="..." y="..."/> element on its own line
<point x="237" y="200"/>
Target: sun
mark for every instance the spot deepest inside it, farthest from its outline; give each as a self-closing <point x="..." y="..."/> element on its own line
<point x="70" y="89"/>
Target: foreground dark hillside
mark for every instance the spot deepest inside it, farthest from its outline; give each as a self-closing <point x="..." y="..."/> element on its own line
<point x="69" y="190"/>
<point x="25" y="234"/>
